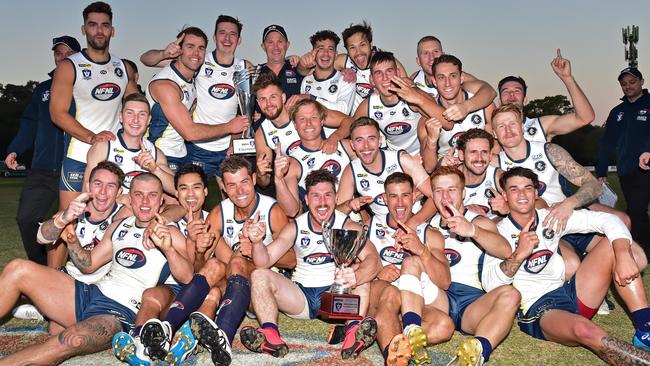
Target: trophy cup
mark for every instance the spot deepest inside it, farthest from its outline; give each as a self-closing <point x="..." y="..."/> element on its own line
<point x="246" y="144"/>
<point x="344" y="246"/>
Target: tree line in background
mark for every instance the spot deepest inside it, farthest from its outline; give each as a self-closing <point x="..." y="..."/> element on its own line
<point x="581" y="144"/>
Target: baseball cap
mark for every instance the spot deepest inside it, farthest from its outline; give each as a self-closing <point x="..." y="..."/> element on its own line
<point x="630" y="71"/>
<point x="274" y="28"/>
<point x="68" y="41"/>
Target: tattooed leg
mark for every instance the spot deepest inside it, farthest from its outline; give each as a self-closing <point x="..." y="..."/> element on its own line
<point x="617" y="352"/>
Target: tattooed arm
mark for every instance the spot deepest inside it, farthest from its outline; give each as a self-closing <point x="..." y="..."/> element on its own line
<point x="88" y="261"/>
<point x="50" y="230"/>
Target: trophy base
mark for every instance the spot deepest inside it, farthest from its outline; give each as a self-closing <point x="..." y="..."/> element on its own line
<point x="339" y="306"/>
<point x="243" y="147"/>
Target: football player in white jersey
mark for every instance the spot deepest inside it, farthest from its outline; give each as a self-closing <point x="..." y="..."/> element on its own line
<point x="291" y="171"/>
<point x="512" y="89"/>
<point x="130" y="151"/>
<point x="362" y="182"/>
<point x="315" y="272"/>
<point x="327" y="85"/>
<point x="552" y="163"/>
<point x="555" y="310"/>
<point x="94" y="313"/>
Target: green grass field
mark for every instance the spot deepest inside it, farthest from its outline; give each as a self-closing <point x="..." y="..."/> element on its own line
<point x="518" y="348"/>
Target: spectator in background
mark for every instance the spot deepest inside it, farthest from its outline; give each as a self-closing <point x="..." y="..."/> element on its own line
<point x="136" y="74"/>
<point x="36" y="130"/>
<point x="627" y="132"/>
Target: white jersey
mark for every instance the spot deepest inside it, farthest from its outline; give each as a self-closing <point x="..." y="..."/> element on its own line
<point x="161" y="132"/>
<point x="230" y="226"/>
<point x="449" y="139"/>
<point x="216" y="101"/>
<point x="182" y="223"/>
<point x="90" y="233"/>
<point x="332" y="92"/>
<point x="286" y="135"/>
<point x="363" y="86"/>
<point x="479" y="194"/>
<point x="370" y="184"/>
<point x="543" y="271"/>
<point x="96" y="99"/>
<point x="314" y="263"/>
<point x="399" y="123"/>
<point x="421" y="82"/>
<point x="311" y="160"/>
<point x="533" y="130"/>
<point x="550" y="181"/>
<point x="381" y="235"/>
<point x="122" y="156"/>
<point x="134" y="268"/>
<point x="464" y="256"/>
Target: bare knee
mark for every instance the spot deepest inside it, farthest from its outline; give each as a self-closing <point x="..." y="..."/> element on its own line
<point x="508" y="297"/>
<point x="412" y="265"/>
<point x="260" y="279"/>
<point x="17" y="268"/>
<point x="213" y="271"/>
<point x="440" y="331"/>
<point x="237" y="265"/>
<point x="588" y="332"/>
<point x="639" y="256"/>
<point x="90" y="335"/>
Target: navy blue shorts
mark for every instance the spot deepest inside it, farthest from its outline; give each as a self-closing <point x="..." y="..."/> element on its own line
<point x="90" y="301"/>
<point x="175" y="163"/>
<point x="210" y="161"/>
<point x="460" y="297"/>
<point x="562" y="298"/>
<point x="72" y="175"/>
<point x="579" y="242"/>
<point x="312" y="294"/>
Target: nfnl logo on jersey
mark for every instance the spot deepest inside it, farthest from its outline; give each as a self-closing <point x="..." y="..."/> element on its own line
<point x="364" y="89"/>
<point x="397" y="128"/>
<point x="106" y="91"/>
<point x="333" y="167"/>
<point x="128" y="177"/>
<point x="452" y="256"/>
<point x="318" y="258"/>
<point x="221" y="91"/>
<point x="132" y="258"/>
<point x="392" y="255"/>
<point x="537" y="261"/>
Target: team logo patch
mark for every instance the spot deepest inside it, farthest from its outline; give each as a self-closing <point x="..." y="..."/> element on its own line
<point x="121" y="234"/>
<point x="540" y="166"/>
<point x="307" y="88"/>
<point x="310" y="163"/>
<point x="82" y="232"/>
<point x="304" y="242"/>
<point x="221" y="91"/>
<point x="548" y="234"/>
<point x="489" y="194"/>
<point x="87" y="74"/>
<point x="397" y="128"/>
<point x="333" y="88"/>
<point x="230" y="231"/>
<point x="289" y="73"/>
<point x="619" y="117"/>
<point x="380" y="200"/>
<point x="532" y="131"/>
<point x="380" y="232"/>
<point x="365" y="185"/>
<point x="452" y="256"/>
<point x="128" y="178"/>
<point x="378" y="115"/>
<point x="106" y="91"/>
<point x="119" y="73"/>
<point x="536" y="262"/>
<point x="392" y="255"/>
<point x="46" y="96"/>
<point x="333" y="167"/>
<point x="275" y="140"/>
<point x="103" y="225"/>
<point x="318" y="258"/>
<point x="364" y="89"/>
<point x="131" y="258"/>
<point x="118" y="158"/>
<point x="391" y="168"/>
<point x="476" y="119"/>
<point x="208" y="71"/>
<point x="405" y="112"/>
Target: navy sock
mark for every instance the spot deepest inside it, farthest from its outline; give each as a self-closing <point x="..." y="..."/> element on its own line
<point x="187" y="301"/>
<point x="411" y="318"/>
<point x="487" y="348"/>
<point x="271" y="325"/>
<point x="135" y="332"/>
<point x="234" y="305"/>
<point x="641" y="319"/>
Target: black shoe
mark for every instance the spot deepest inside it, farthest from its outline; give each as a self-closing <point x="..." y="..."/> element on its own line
<point x="208" y="334"/>
<point x="156" y="338"/>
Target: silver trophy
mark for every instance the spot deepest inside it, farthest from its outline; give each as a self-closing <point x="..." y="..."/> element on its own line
<point x="344" y="246"/>
<point x="243" y="82"/>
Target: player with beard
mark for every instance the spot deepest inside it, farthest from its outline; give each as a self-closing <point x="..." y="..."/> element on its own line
<point x="557" y="310"/>
<point x="291" y="171"/>
<point x="315" y="272"/>
<point x="93" y="313"/>
<point x="362" y="182"/>
<point x="131" y="151"/>
<point x="512" y="89"/>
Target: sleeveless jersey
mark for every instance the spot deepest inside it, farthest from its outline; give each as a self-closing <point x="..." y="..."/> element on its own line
<point x="314" y="263"/>
<point x="533" y="130"/>
<point x="134" y="269"/>
<point x="550" y="181"/>
<point x="448" y="139"/>
<point x="311" y="160"/>
<point x="121" y="155"/>
<point x="161" y="132"/>
<point x="381" y="235"/>
<point x="89" y="234"/>
<point x="286" y="135"/>
<point x="363" y="86"/>
<point x="182" y="223"/>
<point x="479" y="194"/>
<point x="216" y="100"/>
<point x="96" y="99"/>
<point x="399" y="123"/>
<point x="230" y="227"/>
<point x="369" y="184"/>
<point x="464" y="256"/>
<point x="421" y="82"/>
<point x="332" y="92"/>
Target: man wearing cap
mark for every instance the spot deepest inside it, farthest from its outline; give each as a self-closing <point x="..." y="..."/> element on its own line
<point x="627" y="132"/>
<point x="40" y="189"/>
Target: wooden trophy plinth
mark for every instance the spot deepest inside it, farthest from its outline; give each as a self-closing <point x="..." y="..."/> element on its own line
<point x="339" y="306"/>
